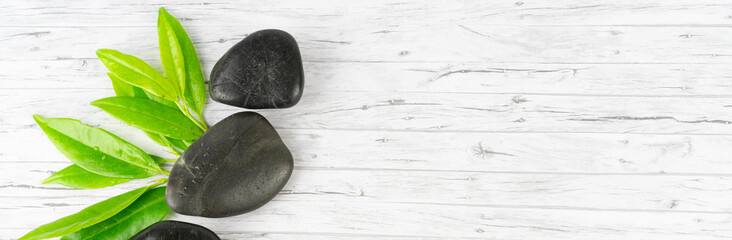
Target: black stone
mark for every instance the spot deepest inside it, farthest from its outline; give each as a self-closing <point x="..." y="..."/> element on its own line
<point x="237" y="166"/>
<point x="262" y="71"/>
<point x="174" y="230"/>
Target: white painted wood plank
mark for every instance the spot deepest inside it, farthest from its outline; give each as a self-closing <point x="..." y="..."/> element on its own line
<point x="446" y="221"/>
<point x="391" y="13"/>
<point x="602" y="192"/>
<point x="417" y="42"/>
<point x="426" y="112"/>
<point x="452" y="151"/>
<point x="457" y="77"/>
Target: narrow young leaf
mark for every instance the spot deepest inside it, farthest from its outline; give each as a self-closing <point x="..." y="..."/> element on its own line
<point x="97" y="150"/>
<point x="171" y="53"/>
<point x="138" y="73"/>
<point x="76" y="177"/>
<point x="86" y="217"/>
<point x="150" y="116"/>
<point x="145" y="211"/>
<point x="195" y="93"/>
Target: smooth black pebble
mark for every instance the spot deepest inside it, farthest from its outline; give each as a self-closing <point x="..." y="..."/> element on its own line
<point x="174" y="230"/>
<point x="262" y="71"/>
<point x="237" y="166"/>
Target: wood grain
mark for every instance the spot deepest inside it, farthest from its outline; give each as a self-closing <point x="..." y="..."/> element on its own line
<point x="334" y="13"/>
<point x="621" y="192"/>
<point x="432" y="112"/>
<point x="433" y="77"/>
<point x="446" y="42"/>
<point x="579" y="153"/>
<point x="393" y="220"/>
<point x="462" y="119"/>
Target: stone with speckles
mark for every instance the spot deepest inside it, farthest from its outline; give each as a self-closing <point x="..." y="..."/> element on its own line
<point x="237" y="166"/>
<point x="262" y="71"/>
<point x="175" y="230"/>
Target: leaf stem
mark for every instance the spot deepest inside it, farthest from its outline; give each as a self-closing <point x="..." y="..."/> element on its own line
<point x="203" y="121"/>
<point x="186" y="111"/>
<point x="159" y="181"/>
<point x="175" y="151"/>
<point x="171" y="149"/>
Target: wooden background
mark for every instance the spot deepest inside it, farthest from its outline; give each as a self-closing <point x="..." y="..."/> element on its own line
<point x="524" y="119"/>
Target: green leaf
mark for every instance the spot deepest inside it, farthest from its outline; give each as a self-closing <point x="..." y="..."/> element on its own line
<point x="180" y="144"/>
<point x="157" y="99"/>
<point x="145" y="211"/>
<point x="157" y="138"/>
<point x="120" y="87"/>
<point x="124" y="89"/>
<point x="86" y="217"/>
<point x="160" y="160"/>
<point x="97" y="150"/>
<point x="150" y="116"/>
<point x="163" y="141"/>
<point x="195" y="89"/>
<point x="76" y="177"/>
<point x="138" y="73"/>
<point x="171" y="53"/>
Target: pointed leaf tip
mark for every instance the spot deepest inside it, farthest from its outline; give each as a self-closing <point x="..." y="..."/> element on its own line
<point x="85" y="145"/>
<point x="137" y="72"/>
<point x="150" y="116"/>
<point x="76" y="177"/>
<point x="103" y="52"/>
<point x="193" y="85"/>
<point x="86" y="217"/>
<point x="171" y="54"/>
<point x="48" y="179"/>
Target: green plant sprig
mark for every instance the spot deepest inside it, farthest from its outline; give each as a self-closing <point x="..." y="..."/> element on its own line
<point x="168" y="109"/>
